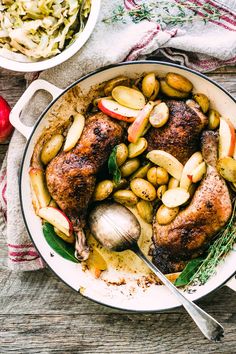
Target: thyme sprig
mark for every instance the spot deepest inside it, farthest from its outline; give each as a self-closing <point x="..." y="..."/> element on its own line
<point x="223" y="243"/>
<point x="165" y="13"/>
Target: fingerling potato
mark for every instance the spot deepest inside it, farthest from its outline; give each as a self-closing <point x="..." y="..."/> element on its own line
<point x="165" y="215"/>
<point x="145" y="210"/>
<point x="143" y="189"/>
<point x="126" y="197"/>
<point x="51" y="148"/>
<point x="103" y="189"/>
<point x="171" y="92"/>
<point x="141" y="172"/>
<point x="117" y="81"/>
<point x="121" y="154"/>
<point x="175" y="197"/>
<point x="178" y="82"/>
<point x="129" y="167"/>
<point x="159" y="115"/>
<point x="202" y="100"/>
<point x="137" y="148"/>
<point x="227" y="168"/>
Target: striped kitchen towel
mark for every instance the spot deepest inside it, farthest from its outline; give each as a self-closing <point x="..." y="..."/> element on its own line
<point x="196" y="33"/>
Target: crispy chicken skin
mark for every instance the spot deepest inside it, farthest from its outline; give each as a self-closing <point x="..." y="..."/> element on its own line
<point x="188" y="235"/>
<point x="180" y="136"/>
<point x="71" y="176"/>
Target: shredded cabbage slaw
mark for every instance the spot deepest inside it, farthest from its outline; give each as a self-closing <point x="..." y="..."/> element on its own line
<point x="31" y="30"/>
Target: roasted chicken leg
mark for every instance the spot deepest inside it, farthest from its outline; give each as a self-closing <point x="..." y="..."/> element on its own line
<point x="71" y="176"/>
<point x="188" y="235"/>
<point x="180" y="136"/>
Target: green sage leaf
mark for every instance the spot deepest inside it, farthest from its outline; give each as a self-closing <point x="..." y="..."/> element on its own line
<point x="188" y="272"/>
<point x="61" y="247"/>
<point x="113" y="167"/>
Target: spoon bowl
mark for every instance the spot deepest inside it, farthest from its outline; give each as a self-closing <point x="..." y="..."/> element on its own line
<point x="116" y="228"/>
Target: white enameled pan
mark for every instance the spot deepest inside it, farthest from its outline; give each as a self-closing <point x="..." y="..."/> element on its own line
<point x="128" y="296"/>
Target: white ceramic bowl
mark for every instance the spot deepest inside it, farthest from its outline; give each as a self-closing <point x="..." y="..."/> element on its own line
<point x="129" y="296"/>
<point x="64" y="55"/>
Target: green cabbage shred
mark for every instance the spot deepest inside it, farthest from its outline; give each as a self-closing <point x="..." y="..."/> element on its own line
<point x="36" y="29"/>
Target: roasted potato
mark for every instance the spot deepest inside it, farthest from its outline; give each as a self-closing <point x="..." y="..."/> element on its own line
<point x="120" y="80"/>
<point x="150" y="86"/>
<point x="141" y="172"/>
<point x="145" y="210"/>
<point x="137" y="148"/>
<point x="159" y="115"/>
<point x="103" y="189"/>
<point x="175" y="197"/>
<point x="157" y="175"/>
<point x="143" y="189"/>
<point x="51" y="148"/>
<point x="126" y="197"/>
<point x="178" y="82"/>
<point x="121" y="154"/>
<point x="165" y="215"/>
<point x="213" y="119"/>
<point x="129" y="167"/>
<point x="202" y="100"/>
<point x="171" y="92"/>
<point x="227" y="168"/>
<point x="161" y="190"/>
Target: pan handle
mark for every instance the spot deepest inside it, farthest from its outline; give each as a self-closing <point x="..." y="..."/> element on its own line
<point x="232" y="283"/>
<point x="27" y="95"/>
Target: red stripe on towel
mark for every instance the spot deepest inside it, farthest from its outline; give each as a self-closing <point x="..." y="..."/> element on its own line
<point x="24" y="253"/>
<point x="20" y="246"/>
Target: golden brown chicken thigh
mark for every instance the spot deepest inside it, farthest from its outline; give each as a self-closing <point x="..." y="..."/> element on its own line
<point x="188" y="235"/>
<point x="180" y="136"/>
<point x="71" y="176"/>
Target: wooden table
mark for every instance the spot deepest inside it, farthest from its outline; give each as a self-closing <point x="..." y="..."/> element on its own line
<point x="39" y="314"/>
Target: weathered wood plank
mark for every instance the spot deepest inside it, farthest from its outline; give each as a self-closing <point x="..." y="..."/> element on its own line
<point x="109" y="333"/>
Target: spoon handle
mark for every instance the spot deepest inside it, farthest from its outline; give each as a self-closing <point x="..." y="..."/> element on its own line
<point x="207" y="324"/>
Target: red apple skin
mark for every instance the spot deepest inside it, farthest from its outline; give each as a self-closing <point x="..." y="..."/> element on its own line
<point x="136" y="129"/>
<point x="5" y="126"/>
<point x="190" y="177"/>
<point x="65" y="216"/>
<point x="114" y="114"/>
<point x="232" y="138"/>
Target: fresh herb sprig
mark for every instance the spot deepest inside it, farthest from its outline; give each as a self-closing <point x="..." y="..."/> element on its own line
<point x="199" y="270"/>
<point x="165" y="13"/>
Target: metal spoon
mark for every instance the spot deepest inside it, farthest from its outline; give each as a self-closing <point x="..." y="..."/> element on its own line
<point x="117" y="229"/>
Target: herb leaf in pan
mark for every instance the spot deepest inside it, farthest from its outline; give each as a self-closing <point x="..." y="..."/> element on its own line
<point x="58" y="245"/>
<point x="113" y="167"/>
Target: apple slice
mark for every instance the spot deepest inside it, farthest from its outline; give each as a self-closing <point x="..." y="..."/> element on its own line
<point x="69" y="239"/>
<point x="167" y="161"/>
<point x="190" y="165"/>
<point x="137" y="128"/>
<point x="74" y="132"/>
<point x="199" y="172"/>
<point x="117" y="111"/>
<point x="58" y="219"/>
<point x="226" y="138"/>
<point x="39" y="187"/>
